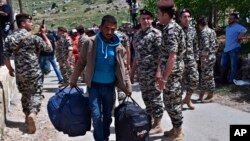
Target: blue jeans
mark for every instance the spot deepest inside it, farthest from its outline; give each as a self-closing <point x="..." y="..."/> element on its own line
<point x="230" y="59"/>
<point x="52" y="61"/>
<point x="101" y="104"/>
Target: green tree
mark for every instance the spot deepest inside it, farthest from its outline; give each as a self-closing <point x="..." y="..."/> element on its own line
<point x="216" y="10"/>
<point x="150" y="5"/>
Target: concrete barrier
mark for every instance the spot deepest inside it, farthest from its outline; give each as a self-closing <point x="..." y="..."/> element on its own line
<point x="8" y="89"/>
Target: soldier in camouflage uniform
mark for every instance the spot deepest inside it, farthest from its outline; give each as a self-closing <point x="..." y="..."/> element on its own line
<point x="191" y="75"/>
<point x="171" y="69"/>
<point x="147" y="46"/>
<point x="64" y="54"/>
<point x="25" y="46"/>
<point x="208" y="46"/>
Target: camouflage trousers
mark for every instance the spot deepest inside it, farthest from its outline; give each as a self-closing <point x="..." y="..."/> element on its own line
<point x="31" y="90"/>
<point x="150" y="94"/>
<point x="207" y="82"/>
<point x="172" y="97"/>
<point x="66" y="71"/>
<point x="190" y="79"/>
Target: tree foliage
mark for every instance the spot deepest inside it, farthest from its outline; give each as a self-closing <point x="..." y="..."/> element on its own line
<point x="216" y="10"/>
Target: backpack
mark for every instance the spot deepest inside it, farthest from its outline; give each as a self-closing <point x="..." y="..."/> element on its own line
<point x="132" y="123"/>
<point x="69" y="111"/>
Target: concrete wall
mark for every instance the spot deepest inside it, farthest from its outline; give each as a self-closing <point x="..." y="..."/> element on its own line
<point x="8" y="89"/>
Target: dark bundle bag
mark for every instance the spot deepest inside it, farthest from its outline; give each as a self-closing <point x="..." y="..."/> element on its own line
<point x="69" y="111"/>
<point x="132" y="123"/>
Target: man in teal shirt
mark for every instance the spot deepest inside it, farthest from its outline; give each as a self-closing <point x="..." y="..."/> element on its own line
<point x="104" y="59"/>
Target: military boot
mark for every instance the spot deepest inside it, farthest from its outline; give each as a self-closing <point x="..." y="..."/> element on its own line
<point x="156" y="128"/>
<point x="31" y="123"/>
<point x="209" y="98"/>
<point x="26" y="119"/>
<point x="176" y="135"/>
<point x="169" y="133"/>
<point x="187" y="100"/>
<point x="201" y="95"/>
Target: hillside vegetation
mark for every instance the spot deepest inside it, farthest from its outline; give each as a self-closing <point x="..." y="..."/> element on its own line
<point x="71" y="13"/>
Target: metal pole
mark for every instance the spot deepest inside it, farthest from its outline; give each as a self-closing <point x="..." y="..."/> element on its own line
<point x="20" y="6"/>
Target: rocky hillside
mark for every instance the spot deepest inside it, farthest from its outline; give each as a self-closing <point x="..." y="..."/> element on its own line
<point x="70" y="13"/>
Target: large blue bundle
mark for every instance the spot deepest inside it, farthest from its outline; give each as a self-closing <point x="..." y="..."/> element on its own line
<point x="69" y="111"/>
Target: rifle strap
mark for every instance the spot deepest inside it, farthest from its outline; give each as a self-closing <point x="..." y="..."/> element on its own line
<point x="15" y="50"/>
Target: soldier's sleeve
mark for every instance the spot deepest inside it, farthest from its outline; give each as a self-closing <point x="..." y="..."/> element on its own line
<point x="205" y="43"/>
<point x="57" y="48"/>
<point x="216" y="43"/>
<point x="172" y="40"/>
<point x="69" y="44"/>
<point x="127" y="44"/>
<point x="196" y="46"/>
<point x="41" y="45"/>
<point x="158" y="43"/>
<point x="7" y="52"/>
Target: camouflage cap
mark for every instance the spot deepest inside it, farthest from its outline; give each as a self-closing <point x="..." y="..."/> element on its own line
<point x="146" y="12"/>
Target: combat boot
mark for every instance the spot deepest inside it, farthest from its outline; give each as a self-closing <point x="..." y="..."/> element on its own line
<point x="176" y="135"/>
<point x="26" y="119"/>
<point x="169" y="133"/>
<point x="156" y="127"/>
<point x="209" y="98"/>
<point x="201" y="95"/>
<point x="31" y="123"/>
<point x="187" y="100"/>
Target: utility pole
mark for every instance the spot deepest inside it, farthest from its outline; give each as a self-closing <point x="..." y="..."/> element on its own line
<point x="9" y="2"/>
<point x="20" y="6"/>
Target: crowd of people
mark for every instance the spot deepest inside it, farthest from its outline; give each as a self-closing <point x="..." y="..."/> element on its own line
<point x="167" y="58"/>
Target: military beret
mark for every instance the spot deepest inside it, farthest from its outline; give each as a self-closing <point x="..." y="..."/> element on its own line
<point x="146" y="12"/>
<point x="21" y="17"/>
<point x="185" y="10"/>
<point x="63" y="29"/>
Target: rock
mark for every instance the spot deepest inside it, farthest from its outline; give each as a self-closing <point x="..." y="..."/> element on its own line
<point x="34" y="13"/>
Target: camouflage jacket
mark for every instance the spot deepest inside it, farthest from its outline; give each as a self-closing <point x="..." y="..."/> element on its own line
<point x="26" y="58"/>
<point x="64" y="46"/>
<point x="208" y="44"/>
<point x="173" y="40"/>
<point x="147" y="45"/>
<point x="192" y="49"/>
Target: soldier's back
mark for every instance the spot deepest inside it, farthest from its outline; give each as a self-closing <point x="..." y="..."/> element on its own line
<point x="24" y="46"/>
